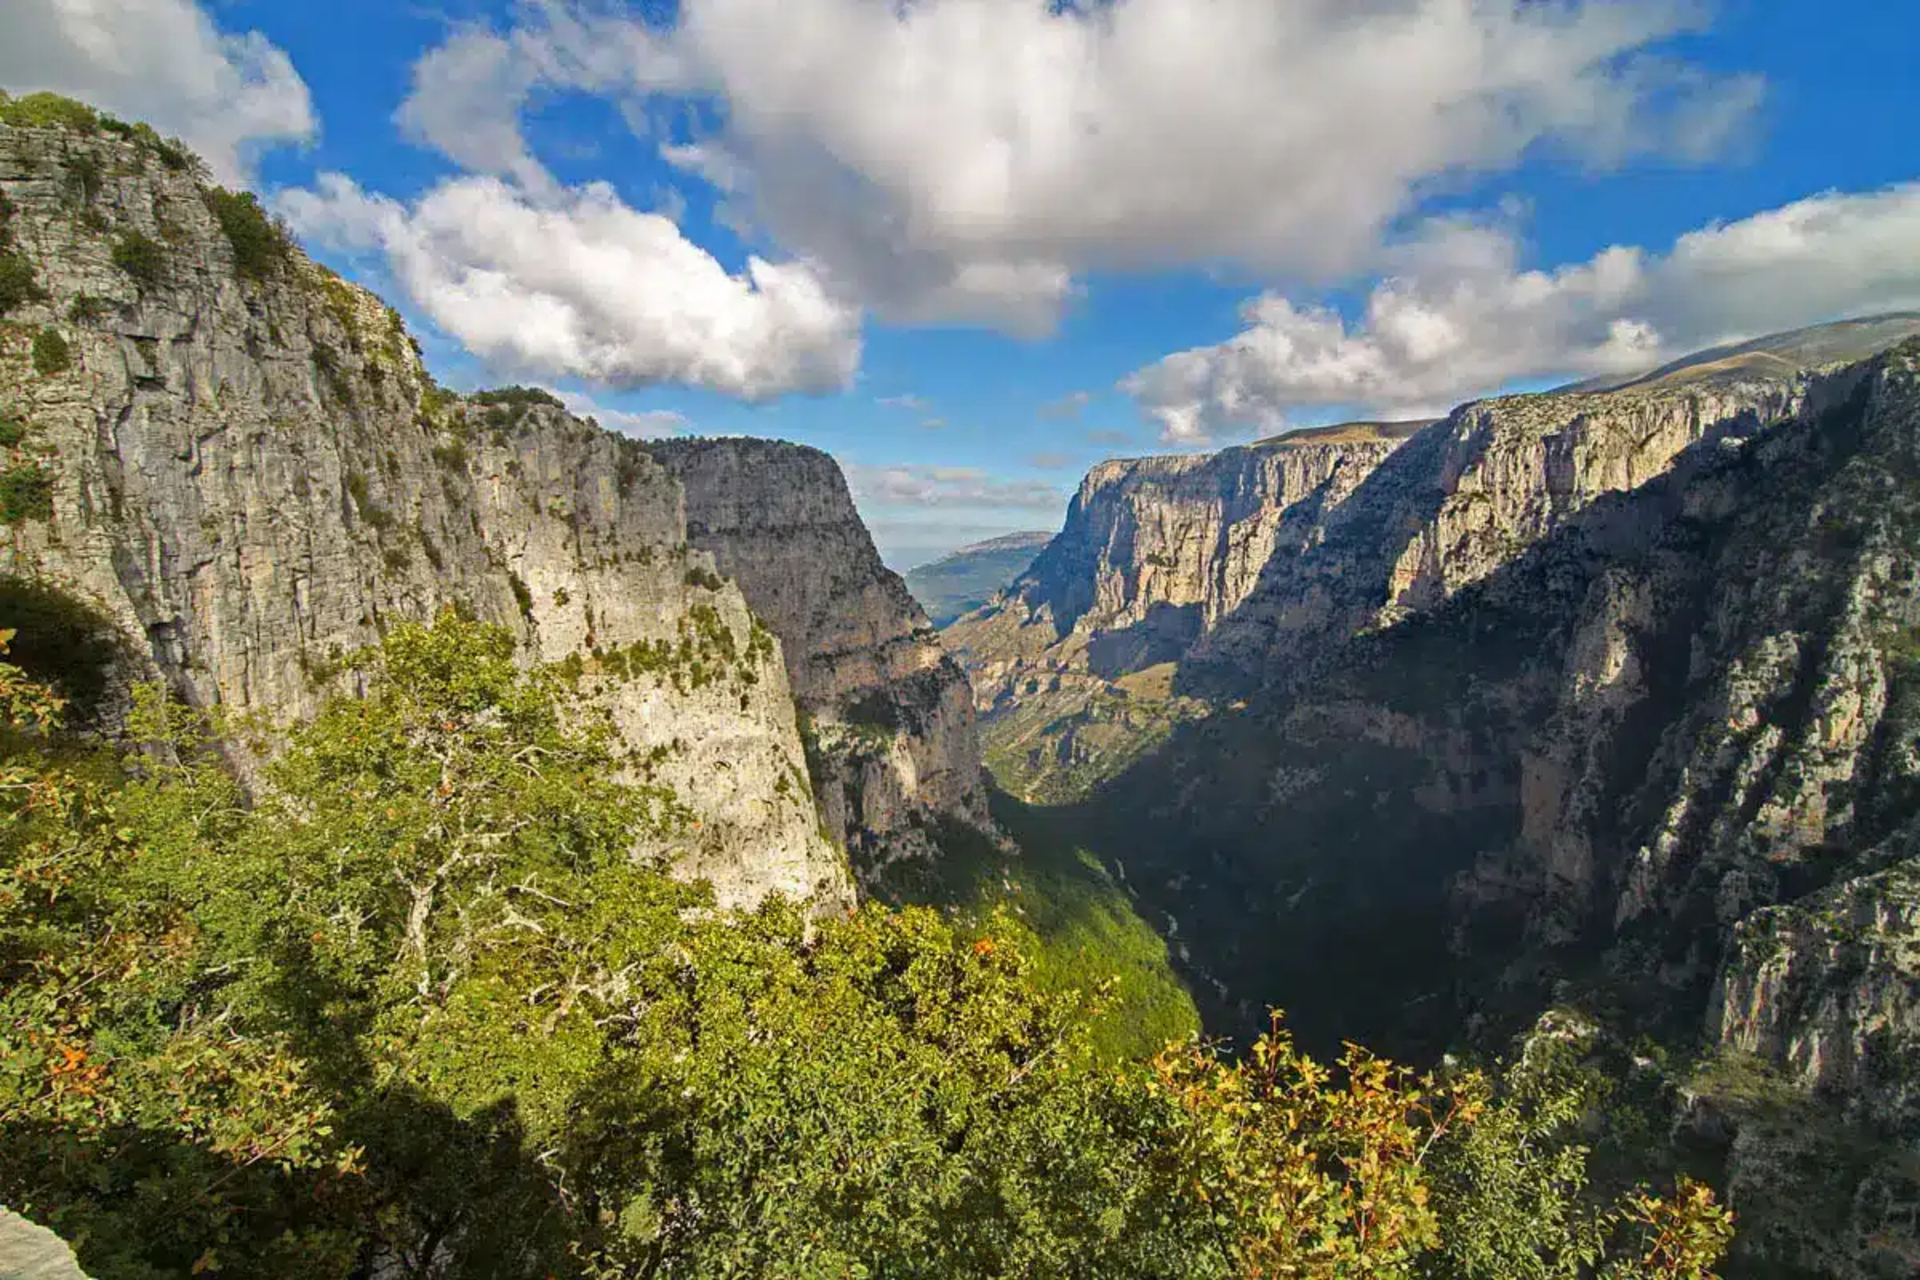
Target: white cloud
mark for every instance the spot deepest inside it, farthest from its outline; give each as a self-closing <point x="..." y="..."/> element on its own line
<point x="650" y="424"/>
<point x="912" y="402"/>
<point x="1458" y="318"/>
<point x="578" y="284"/>
<point x="164" y="62"/>
<point x="962" y="160"/>
<point x="939" y="486"/>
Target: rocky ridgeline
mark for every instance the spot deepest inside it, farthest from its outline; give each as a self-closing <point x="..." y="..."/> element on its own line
<point x="888" y="716"/>
<point x="1662" y="760"/>
<point x="1155" y="553"/>
<point x="236" y="462"/>
<point x="1606" y="697"/>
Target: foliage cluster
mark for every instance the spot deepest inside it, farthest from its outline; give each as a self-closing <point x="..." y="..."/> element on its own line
<point x="142" y="257"/>
<point x="26" y="493"/>
<point x="18" y="284"/>
<point x="507" y="407"/>
<point x="371" y="513"/>
<point x="418" y="1010"/>
<point x="705" y="652"/>
<point x="50" y="110"/>
<point x="261" y="244"/>
<point x="51" y="354"/>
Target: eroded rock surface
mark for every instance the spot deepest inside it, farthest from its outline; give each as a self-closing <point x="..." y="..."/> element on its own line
<point x="249" y="478"/>
<point x="890" y="716"/>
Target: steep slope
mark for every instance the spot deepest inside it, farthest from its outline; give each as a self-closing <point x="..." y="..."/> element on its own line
<point x="1070" y="665"/>
<point x="967" y="579"/>
<point x="1662" y="760"/>
<point x="236" y="462"/>
<point x="891" y="739"/>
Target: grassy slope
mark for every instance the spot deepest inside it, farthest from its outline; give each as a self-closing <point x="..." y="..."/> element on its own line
<point x="1087" y="929"/>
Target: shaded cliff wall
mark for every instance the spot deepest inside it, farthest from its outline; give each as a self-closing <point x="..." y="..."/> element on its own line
<point x="252" y="475"/>
<point x="890" y="716"/>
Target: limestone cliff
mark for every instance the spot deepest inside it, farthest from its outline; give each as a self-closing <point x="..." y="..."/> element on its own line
<point x="1656" y="760"/>
<point x="890" y="717"/>
<point x="1604" y="698"/>
<point x="1155" y="553"/>
<point x="238" y="462"/>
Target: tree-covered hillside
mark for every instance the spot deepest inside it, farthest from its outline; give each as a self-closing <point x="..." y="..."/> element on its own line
<point x="414" y="1010"/>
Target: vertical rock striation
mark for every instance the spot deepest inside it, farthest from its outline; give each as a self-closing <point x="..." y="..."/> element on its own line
<point x="249" y="475"/>
<point x="892" y="742"/>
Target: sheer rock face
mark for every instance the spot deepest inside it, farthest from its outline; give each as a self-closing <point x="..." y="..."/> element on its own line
<point x="252" y="478"/>
<point x="1154" y="553"/>
<point x="1828" y="989"/>
<point x="1464" y="498"/>
<point x="893" y="745"/>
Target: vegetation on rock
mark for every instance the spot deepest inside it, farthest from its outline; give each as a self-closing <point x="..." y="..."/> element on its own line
<point x="416" y="1007"/>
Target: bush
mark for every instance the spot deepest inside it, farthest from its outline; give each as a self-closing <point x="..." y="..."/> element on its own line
<point x="518" y="397"/>
<point x="51" y="354"/>
<point x="141" y="257"/>
<point x="522" y="594"/>
<point x="17" y="283"/>
<point x="26" y="493"/>
<point x="261" y="245"/>
<point x="421" y="1000"/>
<point x="87" y="309"/>
<point x="371" y="513"/>
<point x="12" y="432"/>
<point x="49" y="110"/>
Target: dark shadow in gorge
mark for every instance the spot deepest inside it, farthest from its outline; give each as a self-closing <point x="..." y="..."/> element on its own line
<point x="1307" y="847"/>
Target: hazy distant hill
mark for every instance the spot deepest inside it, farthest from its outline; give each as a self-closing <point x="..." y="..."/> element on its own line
<point x="967" y="579"/>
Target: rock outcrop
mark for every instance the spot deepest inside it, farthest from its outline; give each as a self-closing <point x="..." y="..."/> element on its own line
<point x="1154" y="555"/>
<point x="891" y="739"/>
<point x="1601" y="698"/>
<point x="238" y="462"/>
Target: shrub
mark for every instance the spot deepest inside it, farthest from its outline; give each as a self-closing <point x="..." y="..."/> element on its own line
<point x="12" y="432"/>
<point x="141" y="257"/>
<point x="17" y="284"/>
<point x="371" y="513"/>
<point x="49" y="110"/>
<point x="51" y="354"/>
<point x="87" y="309"/>
<point x="261" y="245"/>
<point x="452" y="455"/>
<point x="704" y="578"/>
<point x="518" y="397"/>
<point x="84" y="177"/>
<point x="26" y="493"/>
<point x="522" y="595"/>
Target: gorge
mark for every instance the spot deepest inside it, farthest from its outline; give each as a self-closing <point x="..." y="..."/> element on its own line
<point x="1587" y="718"/>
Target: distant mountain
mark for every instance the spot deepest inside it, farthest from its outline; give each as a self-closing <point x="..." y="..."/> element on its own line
<point x="1775" y="355"/>
<point x="962" y="582"/>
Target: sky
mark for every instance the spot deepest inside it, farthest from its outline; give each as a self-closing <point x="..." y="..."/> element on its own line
<point x="971" y="247"/>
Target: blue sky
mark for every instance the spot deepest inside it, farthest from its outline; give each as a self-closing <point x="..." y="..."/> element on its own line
<point x="985" y="225"/>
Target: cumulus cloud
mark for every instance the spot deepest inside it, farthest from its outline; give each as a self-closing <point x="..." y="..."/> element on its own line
<point x="962" y="160"/>
<point x="938" y="486"/>
<point x="650" y="424"/>
<point x="578" y="284"/>
<point x="165" y="62"/>
<point x="1458" y="317"/>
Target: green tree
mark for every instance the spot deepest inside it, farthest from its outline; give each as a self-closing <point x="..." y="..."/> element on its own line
<point x="416" y="1006"/>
